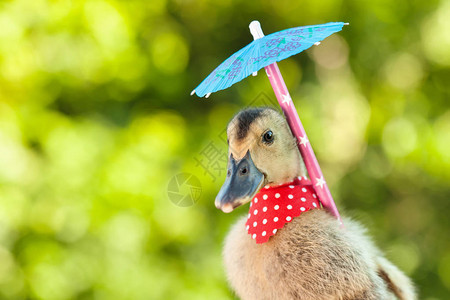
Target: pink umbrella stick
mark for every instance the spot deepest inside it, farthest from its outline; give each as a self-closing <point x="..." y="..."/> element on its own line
<point x="285" y="101"/>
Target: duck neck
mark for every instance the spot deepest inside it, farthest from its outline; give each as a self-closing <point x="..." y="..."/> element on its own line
<point x="274" y="206"/>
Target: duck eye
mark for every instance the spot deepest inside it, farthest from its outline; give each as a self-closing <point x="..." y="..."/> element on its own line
<point x="268" y="136"/>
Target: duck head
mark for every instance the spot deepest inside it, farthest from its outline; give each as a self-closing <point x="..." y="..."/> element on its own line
<point x="261" y="151"/>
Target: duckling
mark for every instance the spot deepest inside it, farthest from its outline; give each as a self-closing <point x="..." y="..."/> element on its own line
<point x="310" y="256"/>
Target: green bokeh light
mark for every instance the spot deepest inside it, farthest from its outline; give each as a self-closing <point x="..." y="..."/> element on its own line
<point x="96" y="119"/>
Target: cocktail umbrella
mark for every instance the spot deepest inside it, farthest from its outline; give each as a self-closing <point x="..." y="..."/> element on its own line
<point x="264" y="52"/>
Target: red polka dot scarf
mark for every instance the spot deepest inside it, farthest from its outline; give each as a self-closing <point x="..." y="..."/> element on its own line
<point x="272" y="207"/>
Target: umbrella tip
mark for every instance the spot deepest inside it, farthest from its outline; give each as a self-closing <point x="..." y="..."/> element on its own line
<point x="207" y="95"/>
<point x="193" y="92"/>
<point x="255" y="73"/>
<point x="317" y="43"/>
<point x="254" y="23"/>
<point x="346" y="23"/>
<point x="255" y="30"/>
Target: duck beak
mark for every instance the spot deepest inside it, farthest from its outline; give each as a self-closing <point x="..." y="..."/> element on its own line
<point x="242" y="183"/>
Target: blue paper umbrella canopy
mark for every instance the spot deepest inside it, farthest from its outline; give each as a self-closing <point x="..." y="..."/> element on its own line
<point x="263" y="52"/>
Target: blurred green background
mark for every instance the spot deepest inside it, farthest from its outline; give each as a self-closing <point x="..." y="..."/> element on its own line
<point x="96" y="120"/>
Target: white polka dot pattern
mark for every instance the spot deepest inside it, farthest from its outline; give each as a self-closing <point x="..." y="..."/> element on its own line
<point x="281" y="205"/>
